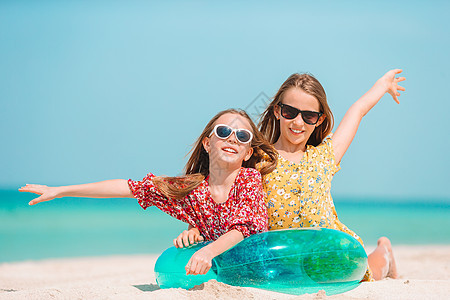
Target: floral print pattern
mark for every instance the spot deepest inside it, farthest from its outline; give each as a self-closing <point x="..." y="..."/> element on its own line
<point x="298" y="195"/>
<point x="244" y="210"/>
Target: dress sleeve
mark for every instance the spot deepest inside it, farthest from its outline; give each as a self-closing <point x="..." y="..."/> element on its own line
<point x="250" y="215"/>
<point x="144" y="190"/>
<point x="326" y="151"/>
<point x="147" y="195"/>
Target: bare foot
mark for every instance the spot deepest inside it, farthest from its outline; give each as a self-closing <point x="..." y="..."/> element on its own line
<point x="381" y="260"/>
<point x="384" y="241"/>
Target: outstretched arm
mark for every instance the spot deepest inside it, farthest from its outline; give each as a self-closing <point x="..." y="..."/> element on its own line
<point x="346" y="130"/>
<point x="116" y="188"/>
<point x="201" y="261"/>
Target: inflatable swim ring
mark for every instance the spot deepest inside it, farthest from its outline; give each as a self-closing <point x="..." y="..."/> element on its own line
<point x="292" y="261"/>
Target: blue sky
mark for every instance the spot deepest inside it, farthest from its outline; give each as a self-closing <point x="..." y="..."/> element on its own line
<point x="94" y="90"/>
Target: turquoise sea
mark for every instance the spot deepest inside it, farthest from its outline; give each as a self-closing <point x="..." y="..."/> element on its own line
<point x="72" y="227"/>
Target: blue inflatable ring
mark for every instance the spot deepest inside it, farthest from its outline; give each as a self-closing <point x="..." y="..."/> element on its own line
<point x="292" y="261"/>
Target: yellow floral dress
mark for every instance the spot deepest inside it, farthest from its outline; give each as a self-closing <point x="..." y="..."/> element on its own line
<point x="298" y="195"/>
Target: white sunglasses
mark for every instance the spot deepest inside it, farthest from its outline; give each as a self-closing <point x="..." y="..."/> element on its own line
<point x="223" y="131"/>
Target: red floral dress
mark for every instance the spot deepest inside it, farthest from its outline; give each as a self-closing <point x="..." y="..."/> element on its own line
<point x="245" y="209"/>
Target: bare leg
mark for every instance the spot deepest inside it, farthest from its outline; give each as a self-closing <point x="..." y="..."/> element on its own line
<point x="381" y="260"/>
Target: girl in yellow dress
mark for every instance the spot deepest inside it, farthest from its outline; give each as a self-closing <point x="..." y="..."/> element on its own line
<point x="298" y="123"/>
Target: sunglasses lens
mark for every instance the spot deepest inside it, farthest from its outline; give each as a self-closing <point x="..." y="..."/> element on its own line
<point x="243" y="136"/>
<point x="289" y="112"/>
<point x="223" y="131"/>
<point x="310" y="117"/>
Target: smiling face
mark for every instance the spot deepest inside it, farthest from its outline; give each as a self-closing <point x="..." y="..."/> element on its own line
<point x="296" y="132"/>
<point x="228" y="152"/>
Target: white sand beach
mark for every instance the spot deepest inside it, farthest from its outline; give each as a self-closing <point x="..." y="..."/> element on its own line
<point x="424" y="274"/>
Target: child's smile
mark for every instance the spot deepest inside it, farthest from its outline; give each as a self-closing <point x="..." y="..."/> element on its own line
<point x="297" y="132"/>
<point x="229" y="150"/>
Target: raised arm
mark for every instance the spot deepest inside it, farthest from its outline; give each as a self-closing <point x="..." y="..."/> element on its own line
<point x="116" y="188"/>
<point x="346" y="130"/>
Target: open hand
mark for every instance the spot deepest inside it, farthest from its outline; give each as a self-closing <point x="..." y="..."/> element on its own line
<point x="200" y="262"/>
<point x="47" y="193"/>
<point x="187" y="238"/>
<point x="391" y="83"/>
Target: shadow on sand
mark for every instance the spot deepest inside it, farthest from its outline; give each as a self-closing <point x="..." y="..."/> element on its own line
<point x="147" y="287"/>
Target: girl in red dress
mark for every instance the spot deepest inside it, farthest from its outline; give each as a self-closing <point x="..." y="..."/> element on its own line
<point x="221" y="193"/>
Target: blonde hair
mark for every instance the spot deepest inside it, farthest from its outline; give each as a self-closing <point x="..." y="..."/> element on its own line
<point x="270" y="126"/>
<point x="197" y="167"/>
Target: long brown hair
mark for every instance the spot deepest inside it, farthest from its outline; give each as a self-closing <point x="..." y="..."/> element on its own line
<point x="270" y="126"/>
<point x="197" y="167"/>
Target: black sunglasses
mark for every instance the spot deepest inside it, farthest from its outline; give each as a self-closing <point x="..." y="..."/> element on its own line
<point x="309" y="117"/>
